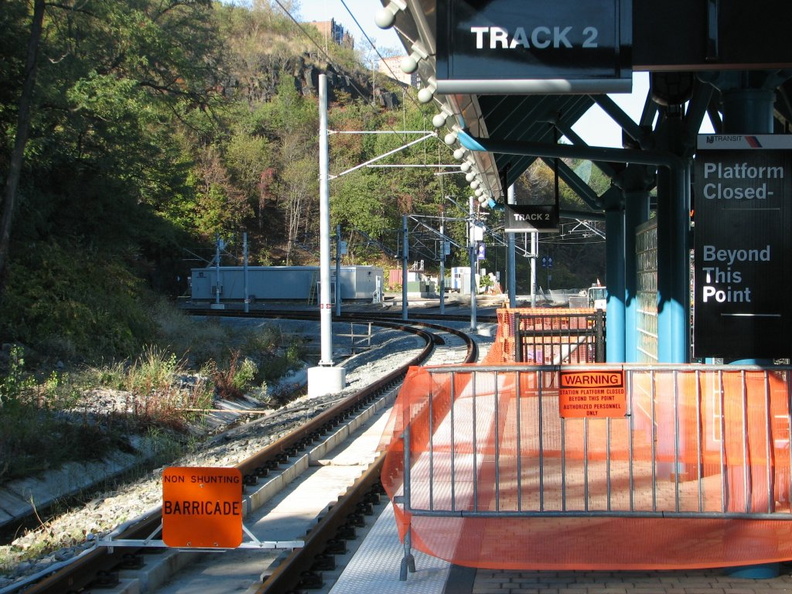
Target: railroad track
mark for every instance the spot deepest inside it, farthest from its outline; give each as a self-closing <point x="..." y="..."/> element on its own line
<point x="100" y="567"/>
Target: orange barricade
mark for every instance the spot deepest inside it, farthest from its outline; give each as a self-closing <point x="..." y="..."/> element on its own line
<point x="485" y="471"/>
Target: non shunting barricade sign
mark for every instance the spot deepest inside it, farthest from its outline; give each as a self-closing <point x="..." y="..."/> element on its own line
<point x="202" y="507"/>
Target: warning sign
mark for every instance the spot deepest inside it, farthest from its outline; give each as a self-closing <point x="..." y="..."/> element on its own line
<point x="202" y="507"/>
<point x="593" y="393"/>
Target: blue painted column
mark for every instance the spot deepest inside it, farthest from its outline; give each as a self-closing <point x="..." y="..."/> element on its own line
<point x="673" y="242"/>
<point x="614" y="275"/>
<point x="635" y="181"/>
<point x="673" y="265"/>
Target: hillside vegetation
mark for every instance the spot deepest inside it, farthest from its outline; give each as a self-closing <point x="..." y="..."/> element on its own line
<point x="135" y="134"/>
<point x="153" y="128"/>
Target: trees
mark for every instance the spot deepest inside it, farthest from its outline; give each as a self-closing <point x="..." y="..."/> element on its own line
<point x="111" y="78"/>
<point x="20" y="140"/>
<point x="155" y="125"/>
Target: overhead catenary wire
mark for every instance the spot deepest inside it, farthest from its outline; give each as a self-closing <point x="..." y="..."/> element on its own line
<point x="374" y="47"/>
<point x="329" y="58"/>
<point x="331" y="61"/>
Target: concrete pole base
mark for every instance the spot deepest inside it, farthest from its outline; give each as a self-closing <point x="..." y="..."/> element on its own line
<point x="325" y="380"/>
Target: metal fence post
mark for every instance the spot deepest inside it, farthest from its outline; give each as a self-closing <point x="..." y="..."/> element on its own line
<point x="599" y="328"/>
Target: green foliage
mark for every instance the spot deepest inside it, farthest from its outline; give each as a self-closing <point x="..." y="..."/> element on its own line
<point x="153" y="372"/>
<point x="159" y="391"/>
<point x="68" y="303"/>
<point x="16" y="379"/>
<point x="32" y="440"/>
<point x="360" y="202"/>
<point x="232" y="381"/>
<point x="33" y="427"/>
<point x="156" y="126"/>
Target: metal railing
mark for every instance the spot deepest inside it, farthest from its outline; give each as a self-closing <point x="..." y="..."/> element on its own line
<point x="560" y="338"/>
<point x="687" y="443"/>
<point x="503" y="449"/>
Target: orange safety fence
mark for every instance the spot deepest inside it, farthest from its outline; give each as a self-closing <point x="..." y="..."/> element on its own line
<point x="486" y="470"/>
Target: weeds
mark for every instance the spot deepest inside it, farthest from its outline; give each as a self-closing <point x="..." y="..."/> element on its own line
<point x="16" y="380"/>
<point x="48" y="418"/>
<point x="236" y="378"/>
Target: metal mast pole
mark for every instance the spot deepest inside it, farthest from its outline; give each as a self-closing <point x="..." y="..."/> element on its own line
<point x="325" y="305"/>
<point x="511" y="263"/>
<point x="245" y="269"/>
<point x="534" y="252"/>
<point x="338" y="271"/>
<point x="443" y="245"/>
<point x="473" y="263"/>
<point x="405" y="261"/>
<point x="324" y="379"/>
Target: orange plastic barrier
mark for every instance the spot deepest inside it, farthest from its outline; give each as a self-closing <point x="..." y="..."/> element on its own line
<point x="695" y="475"/>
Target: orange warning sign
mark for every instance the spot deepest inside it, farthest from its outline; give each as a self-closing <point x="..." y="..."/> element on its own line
<point x="592" y="393"/>
<point x="202" y="507"/>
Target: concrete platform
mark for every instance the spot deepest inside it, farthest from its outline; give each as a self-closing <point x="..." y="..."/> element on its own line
<point x="375" y="568"/>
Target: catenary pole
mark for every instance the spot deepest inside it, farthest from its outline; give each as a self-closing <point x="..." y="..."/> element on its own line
<point x="325" y="306"/>
<point x="325" y="379"/>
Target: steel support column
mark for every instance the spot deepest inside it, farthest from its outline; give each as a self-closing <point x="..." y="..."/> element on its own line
<point x="635" y="182"/>
<point x="614" y="276"/>
<point x="673" y="228"/>
<point x="673" y="265"/>
<point x="748" y="111"/>
<point x="636" y="212"/>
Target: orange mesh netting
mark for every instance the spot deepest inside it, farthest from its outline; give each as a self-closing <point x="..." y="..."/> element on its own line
<point x="696" y="475"/>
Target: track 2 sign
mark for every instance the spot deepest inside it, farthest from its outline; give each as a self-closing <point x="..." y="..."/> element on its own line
<point x="516" y="46"/>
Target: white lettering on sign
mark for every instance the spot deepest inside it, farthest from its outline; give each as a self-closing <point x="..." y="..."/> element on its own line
<point x="727" y="295"/>
<point x="542" y="37"/>
<point x="532" y="217"/>
<point x="716" y="190"/>
<point x="712" y="254"/>
<point x="716" y="276"/>
<point x="721" y="192"/>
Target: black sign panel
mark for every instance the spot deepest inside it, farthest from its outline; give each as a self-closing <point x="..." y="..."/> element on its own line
<point x="674" y="35"/>
<point x="743" y="250"/>
<point x="520" y="46"/>
<point x="521" y="218"/>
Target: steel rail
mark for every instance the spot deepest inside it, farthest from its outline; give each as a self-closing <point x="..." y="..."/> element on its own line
<point x="305" y="564"/>
<point x="302" y="568"/>
<point x="98" y="566"/>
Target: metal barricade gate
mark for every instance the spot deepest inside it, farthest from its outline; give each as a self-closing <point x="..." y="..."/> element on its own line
<point x="559" y="339"/>
<point x="486" y="459"/>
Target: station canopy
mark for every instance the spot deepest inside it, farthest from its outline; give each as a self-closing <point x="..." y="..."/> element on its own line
<point x="469" y="55"/>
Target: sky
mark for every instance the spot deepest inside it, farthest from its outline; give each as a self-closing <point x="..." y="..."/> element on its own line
<point x="596" y="128"/>
<point x="363" y="10"/>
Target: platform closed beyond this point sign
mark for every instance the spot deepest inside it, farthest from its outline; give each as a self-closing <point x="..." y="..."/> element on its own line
<point x="202" y="507"/>
<point x="598" y="393"/>
<point x="743" y="248"/>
